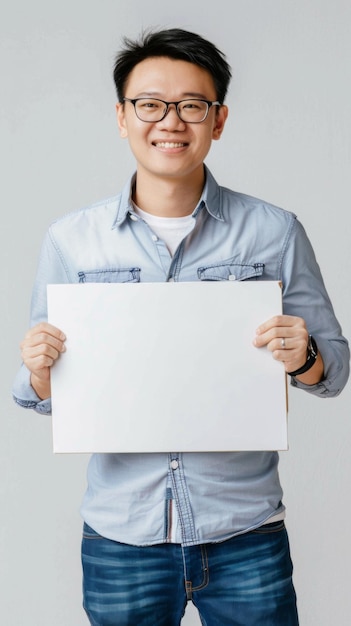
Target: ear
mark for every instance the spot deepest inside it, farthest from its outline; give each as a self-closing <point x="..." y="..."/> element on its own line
<point x="219" y="121"/>
<point x="121" y="120"/>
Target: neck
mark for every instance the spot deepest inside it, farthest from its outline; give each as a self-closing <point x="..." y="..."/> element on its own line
<point x="166" y="197"/>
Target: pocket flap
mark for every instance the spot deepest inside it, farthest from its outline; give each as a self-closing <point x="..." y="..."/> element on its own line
<point x="230" y="271"/>
<point x="111" y="275"/>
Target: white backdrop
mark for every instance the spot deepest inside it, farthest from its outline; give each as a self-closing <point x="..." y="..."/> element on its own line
<point x="287" y="140"/>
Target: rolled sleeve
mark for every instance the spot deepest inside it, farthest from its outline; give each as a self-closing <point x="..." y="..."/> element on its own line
<point x="336" y="370"/>
<point x="50" y="270"/>
<point x="305" y="295"/>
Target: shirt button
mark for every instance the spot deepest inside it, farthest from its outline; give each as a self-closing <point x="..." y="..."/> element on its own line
<point x="133" y="217"/>
<point x="171" y="280"/>
<point x="232" y="277"/>
<point x="154" y="238"/>
<point x="174" y="464"/>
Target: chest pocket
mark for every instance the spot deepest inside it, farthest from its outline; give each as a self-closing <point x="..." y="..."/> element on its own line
<point x="120" y="275"/>
<point x="231" y="271"/>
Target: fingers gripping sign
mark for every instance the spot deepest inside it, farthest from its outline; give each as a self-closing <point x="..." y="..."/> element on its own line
<point x="286" y="337"/>
<point x="40" y="348"/>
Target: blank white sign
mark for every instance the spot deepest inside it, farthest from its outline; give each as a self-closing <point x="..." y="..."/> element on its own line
<point x="159" y="367"/>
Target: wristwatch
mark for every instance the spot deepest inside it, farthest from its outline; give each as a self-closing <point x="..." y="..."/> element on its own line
<point x="312" y="353"/>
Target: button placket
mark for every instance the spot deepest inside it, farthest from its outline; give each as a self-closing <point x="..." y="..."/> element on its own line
<point x="181" y="495"/>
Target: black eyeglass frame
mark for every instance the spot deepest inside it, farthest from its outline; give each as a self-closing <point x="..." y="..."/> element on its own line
<point x="209" y="104"/>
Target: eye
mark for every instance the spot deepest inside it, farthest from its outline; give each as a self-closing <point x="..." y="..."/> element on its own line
<point x="193" y="105"/>
<point x="150" y="104"/>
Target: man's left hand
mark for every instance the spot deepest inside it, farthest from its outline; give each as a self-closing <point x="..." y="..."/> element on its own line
<point x="286" y="337"/>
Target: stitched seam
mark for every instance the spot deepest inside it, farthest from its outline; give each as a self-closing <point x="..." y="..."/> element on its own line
<point x="205" y="570"/>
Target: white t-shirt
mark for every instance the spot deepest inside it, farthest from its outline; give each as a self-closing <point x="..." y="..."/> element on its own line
<point x="171" y="230"/>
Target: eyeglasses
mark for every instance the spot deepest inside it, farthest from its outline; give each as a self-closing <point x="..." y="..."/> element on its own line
<point x="154" y="110"/>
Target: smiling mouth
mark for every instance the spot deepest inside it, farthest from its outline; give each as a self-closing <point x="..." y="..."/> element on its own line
<point x="169" y="144"/>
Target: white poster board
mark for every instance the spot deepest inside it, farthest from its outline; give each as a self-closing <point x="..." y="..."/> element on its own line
<point x="156" y="367"/>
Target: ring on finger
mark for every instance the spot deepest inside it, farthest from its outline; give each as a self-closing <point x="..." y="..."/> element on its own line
<point x="282" y="342"/>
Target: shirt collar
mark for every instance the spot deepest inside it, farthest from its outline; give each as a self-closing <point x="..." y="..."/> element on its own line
<point x="210" y="200"/>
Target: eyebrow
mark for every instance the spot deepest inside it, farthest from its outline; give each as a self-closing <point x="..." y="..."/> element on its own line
<point x="156" y="94"/>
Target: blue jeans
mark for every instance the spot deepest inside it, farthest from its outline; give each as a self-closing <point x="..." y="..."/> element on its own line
<point x="244" y="581"/>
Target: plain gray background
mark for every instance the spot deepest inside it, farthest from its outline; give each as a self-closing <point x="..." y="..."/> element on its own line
<point x="287" y="140"/>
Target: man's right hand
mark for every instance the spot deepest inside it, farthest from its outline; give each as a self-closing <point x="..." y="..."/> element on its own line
<point x="40" y="348"/>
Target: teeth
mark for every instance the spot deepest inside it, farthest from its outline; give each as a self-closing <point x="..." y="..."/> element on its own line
<point x="169" y="144"/>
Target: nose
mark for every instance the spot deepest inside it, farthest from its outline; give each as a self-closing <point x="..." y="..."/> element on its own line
<point x="171" y="119"/>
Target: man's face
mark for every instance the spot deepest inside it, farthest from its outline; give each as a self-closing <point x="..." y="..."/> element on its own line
<point x="170" y="148"/>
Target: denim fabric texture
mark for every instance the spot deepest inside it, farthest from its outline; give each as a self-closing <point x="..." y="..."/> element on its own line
<point x="150" y="586"/>
<point x="235" y="237"/>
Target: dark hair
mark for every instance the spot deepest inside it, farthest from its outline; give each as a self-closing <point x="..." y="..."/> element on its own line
<point x="174" y="43"/>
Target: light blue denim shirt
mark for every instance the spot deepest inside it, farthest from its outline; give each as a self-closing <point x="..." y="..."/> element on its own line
<point x="235" y="237"/>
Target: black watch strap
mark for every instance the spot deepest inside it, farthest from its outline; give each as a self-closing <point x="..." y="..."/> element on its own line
<point x="312" y="353"/>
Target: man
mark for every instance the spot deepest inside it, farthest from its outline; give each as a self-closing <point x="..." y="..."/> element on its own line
<point x="162" y="529"/>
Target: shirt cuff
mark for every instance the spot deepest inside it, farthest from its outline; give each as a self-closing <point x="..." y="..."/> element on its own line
<point x="336" y="369"/>
<point x="25" y="396"/>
